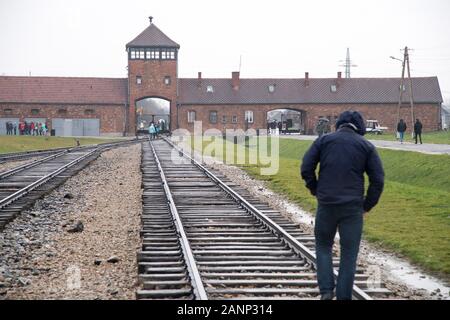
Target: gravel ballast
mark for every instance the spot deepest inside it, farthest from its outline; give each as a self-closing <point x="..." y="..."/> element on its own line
<point x="80" y="241"/>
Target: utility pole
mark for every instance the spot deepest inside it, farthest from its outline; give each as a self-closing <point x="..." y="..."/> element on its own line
<point x="405" y="63"/>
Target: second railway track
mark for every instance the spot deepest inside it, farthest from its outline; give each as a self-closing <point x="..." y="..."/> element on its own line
<point x="22" y="185"/>
<point x="205" y="238"/>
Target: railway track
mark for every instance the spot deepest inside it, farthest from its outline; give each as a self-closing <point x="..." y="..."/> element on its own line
<point x="205" y="238"/>
<point x="22" y="185"/>
<point x="47" y="152"/>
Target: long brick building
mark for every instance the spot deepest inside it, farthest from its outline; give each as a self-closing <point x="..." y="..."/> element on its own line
<point x="154" y="92"/>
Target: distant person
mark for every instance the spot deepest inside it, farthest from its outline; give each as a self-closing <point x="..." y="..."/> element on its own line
<point x="401" y="128"/>
<point x="21" y="128"/>
<point x="152" y="131"/>
<point x="280" y="127"/>
<point x="15" y="129"/>
<point x="320" y="128"/>
<point x="418" y="130"/>
<point x="344" y="157"/>
<point x="7" y="128"/>
<point x="44" y="129"/>
<point x="32" y="128"/>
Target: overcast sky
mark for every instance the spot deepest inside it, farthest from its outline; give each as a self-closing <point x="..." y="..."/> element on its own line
<point x="280" y="38"/>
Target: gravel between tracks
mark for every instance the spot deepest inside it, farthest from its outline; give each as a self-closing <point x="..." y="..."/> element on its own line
<point x="40" y="259"/>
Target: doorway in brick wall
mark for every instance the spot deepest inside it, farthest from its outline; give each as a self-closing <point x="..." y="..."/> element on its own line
<point x="154" y="110"/>
<point x="286" y="121"/>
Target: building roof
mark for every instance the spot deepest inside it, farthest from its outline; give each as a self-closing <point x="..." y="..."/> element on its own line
<point x="63" y="90"/>
<point x="153" y="37"/>
<point x="251" y="91"/>
<point x="353" y="90"/>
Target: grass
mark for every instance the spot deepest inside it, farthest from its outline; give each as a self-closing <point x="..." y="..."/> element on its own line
<point x="26" y="143"/>
<point x="440" y="137"/>
<point x="413" y="215"/>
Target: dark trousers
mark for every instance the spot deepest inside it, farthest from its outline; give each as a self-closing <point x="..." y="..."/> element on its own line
<point x="420" y="136"/>
<point x="348" y="219"/>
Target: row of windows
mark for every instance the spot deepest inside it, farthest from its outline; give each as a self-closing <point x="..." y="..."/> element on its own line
<point x="248" y="117"/>
<point x="60" y="111"/>
<point x="153" y="54"/>
<point x="167" y="80"/>
<point x="270" y="88"/>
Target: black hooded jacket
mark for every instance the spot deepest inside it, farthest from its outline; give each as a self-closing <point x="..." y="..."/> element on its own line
<point x="344" y="157"/>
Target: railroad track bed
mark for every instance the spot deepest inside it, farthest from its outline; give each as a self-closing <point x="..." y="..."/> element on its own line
<point x="22" y="185"/>
<point x="204" y="237"/>
<point x="16" y="156"/>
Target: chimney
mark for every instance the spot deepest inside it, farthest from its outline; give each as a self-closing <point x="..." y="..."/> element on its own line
<point x="339" y="78"/>
<point x="199" y="79"/>
<point x="235" y="80"/>
<point x="306" y="79"/>
<point x="151" y="19"/>
<point x="339" y="75"/>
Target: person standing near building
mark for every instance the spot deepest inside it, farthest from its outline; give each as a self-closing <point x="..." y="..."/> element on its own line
<point x="418" y="130"/>
<point x="15" y="129"/>
<point x="344" y="157"/>
<point x="21" y="128"/>
<point x="152" y="131"/>
<point x="401" y="128"/>
<point x="320" y="128"/>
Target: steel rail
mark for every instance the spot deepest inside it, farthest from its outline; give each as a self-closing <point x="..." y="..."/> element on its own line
<point x="36" y="153"/>
<point x="31" y="164"/>
<point x="196" y="281"/>
<point x="274" y="227"/>
<point x="20" y="193"/>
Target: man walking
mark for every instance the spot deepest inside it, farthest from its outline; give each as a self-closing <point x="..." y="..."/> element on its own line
<point x="401" y="128"/>
<point x="418" y="130"/>
<point x="344" y="157"/>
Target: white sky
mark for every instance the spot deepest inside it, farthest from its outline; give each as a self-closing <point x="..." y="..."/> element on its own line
<point x="280" y="38"/>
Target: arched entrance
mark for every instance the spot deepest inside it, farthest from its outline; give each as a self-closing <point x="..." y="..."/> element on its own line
<point x="286" y="121"/>
<point x="152" y="109"/>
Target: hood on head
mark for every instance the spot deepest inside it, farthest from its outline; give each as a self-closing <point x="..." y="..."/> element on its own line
<point x="353" y="117"/>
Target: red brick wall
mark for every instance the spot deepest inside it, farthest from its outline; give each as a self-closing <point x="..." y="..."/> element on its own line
<point x="152" y="73"/>
<point x="112" y="120"/>
<point x="386" y="114"/>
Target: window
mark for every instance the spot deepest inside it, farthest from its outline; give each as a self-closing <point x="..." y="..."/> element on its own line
<point x="213" y="117"/>
<point x="62" y="111"/>
<point x="224" y="119"/>
<point x="89" y="112"/>
<point x="168" y="54"/>
<point x="271" y="88"/>
<point x="152" y="54"/>
<point x="210" y="89"/>
<point x="167" y="80"/>
<point x="138" y="80"/>
<point x="234" y="119"/>
<point x="133" y="54"/>
<point x="7" y="111"/>
<point x="34" y="111"/>
<point x="141" y="54"/>
<point x="191" y="116"/>
<point x="249" y="116"/>
<point x="333" y="88"/>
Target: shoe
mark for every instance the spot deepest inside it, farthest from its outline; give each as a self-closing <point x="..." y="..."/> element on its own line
<point x="327" y="296"/>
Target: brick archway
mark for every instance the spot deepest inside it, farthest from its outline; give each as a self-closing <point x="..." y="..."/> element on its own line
<point x="154" y="109"/>
<point x="292" y="119"/>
